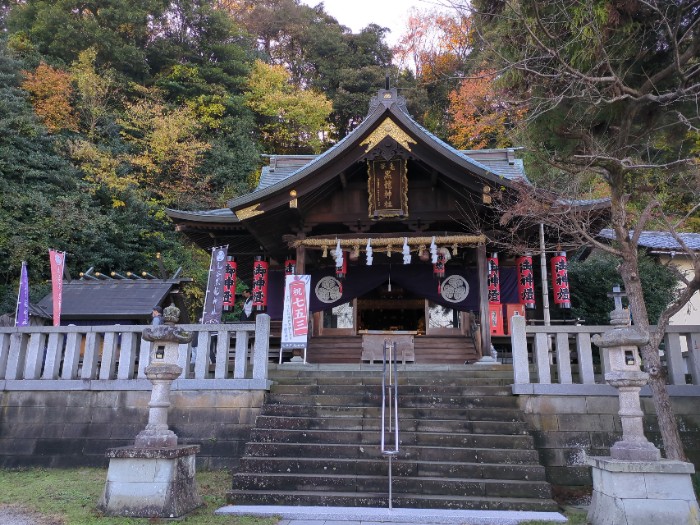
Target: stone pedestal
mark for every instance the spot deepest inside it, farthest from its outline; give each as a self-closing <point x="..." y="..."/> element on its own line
<point x="151" y="482"/>
<point x="642" y="493"/>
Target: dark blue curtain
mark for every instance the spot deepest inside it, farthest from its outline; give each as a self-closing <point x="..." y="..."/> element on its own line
<point x="415" y="278"/>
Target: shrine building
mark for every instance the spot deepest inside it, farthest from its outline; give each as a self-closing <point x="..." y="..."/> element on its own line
<point x="401" y="204"/>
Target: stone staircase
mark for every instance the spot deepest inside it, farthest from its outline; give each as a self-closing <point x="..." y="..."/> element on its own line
<point x="463" y="443"/>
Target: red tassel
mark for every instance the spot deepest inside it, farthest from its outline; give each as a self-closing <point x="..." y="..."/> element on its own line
<point x="439" y="287"/>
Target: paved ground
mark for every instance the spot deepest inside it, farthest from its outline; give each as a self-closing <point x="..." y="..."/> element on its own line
<point x="374" y="516"/>
<point x="15" y="515"/>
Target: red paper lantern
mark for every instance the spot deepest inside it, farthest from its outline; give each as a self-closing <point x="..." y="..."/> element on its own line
<point x="439" y="266"/>
<point x="260" y="275"/>
<point x="560" y="281"/>
<point x="230" y="283"/>
<point x="290" y="266"/>
<point x="342" y="271"/>
<point x="526" y="281"/>
<point x="493" y="279"/>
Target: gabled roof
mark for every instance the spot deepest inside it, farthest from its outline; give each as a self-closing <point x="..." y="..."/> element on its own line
<point x="387" y="104"/>
<point x="499" y="161"/>
<point x="661" y="240"/>
<point x="110" y="299"/>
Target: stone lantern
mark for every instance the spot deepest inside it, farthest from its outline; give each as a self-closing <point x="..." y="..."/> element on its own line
<point x="155" y="477"/>
<point x="622" y="347"/>
<point x="161" y="372"/>
<point x="633" y="484"/>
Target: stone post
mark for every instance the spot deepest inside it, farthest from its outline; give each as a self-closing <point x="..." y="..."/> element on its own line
<point x="634" y="485"/>
<point x="156" y="476"/>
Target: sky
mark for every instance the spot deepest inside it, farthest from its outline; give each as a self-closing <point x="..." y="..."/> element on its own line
<point x="357" y="14"/>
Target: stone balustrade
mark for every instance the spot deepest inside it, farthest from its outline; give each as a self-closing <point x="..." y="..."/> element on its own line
<point x="223" y="356"/>
<point x="562" y="360"/>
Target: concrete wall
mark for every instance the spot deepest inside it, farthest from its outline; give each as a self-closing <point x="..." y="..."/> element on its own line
<point x="75" y="428"/>
<point x="567" y="428"/>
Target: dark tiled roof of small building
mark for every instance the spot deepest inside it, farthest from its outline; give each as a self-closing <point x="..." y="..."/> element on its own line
<point x="110" y="299"/>
<point x="661" y="240"/>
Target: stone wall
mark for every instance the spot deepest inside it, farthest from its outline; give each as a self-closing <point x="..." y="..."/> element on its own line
<point x="568" y="428"/>
<point x="75" y="428"/>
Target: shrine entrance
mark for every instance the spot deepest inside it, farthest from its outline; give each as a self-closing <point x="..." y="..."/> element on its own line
<point x="393" y="307"/>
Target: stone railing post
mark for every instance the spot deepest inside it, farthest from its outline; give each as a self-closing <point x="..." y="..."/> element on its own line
<point x="518" y="338"/>
<point x="261" y="347"/>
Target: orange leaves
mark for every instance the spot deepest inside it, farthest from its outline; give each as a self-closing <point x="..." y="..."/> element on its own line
<point x="435" y="43"/>
<point x="51" y="92"/>
<point x="481" y="114"/>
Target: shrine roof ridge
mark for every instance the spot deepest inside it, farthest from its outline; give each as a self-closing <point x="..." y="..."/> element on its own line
<point x="282" y="179"/>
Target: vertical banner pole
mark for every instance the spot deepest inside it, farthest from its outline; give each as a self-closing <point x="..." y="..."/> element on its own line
<point x="22" y="311"/>
<point x="58" y="261"/>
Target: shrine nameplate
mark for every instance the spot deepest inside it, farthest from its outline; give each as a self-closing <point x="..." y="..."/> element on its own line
<point x="387" y="187"/>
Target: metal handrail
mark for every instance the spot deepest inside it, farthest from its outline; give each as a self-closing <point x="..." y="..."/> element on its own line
<point x="393" y="404"/>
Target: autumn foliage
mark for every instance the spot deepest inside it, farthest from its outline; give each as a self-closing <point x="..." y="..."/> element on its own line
<point x="50" y="90"/>
<point x="481" y="114"/>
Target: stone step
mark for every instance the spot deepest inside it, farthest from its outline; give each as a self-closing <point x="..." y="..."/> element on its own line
<point x="352" y="499"/>
<point x="464" y="442"/>
<point x="411" y="373"/>
<point x="378" y="467"/>
<point x="471" y="414"/>
<point x="405" y="391"/>
<point x="430" y="439"/>
<point x="401" y="485"/>
<point x="358" y="381"/>
<point x="431" y="401"/>
<point x="405" y="425"/>
<point x="371" y="451"/>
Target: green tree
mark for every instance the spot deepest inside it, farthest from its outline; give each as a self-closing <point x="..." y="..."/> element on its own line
<point x="166" y="151"/>
<point x="611" y="90"/>
<point x="44" y="203"/>
<point x="118" y="29"/>
<point x="321" y="54"/>
<point x="592" y="280"/>
<point x="292" y="119"/>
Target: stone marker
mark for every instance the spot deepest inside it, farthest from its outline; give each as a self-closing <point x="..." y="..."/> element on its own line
<point x="155" y="477"/>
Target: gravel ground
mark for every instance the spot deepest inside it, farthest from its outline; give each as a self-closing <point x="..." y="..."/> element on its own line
<point x="16" y="515"/>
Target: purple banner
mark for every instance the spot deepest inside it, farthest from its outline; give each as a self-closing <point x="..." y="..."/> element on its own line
<point x="22" y="313"/>
<point x="214" y="299"/>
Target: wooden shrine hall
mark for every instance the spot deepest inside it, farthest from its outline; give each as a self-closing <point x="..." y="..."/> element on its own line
<point x="393" y="197"/>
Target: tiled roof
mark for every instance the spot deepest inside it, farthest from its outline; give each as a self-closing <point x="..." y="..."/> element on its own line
<point x="281" y="167"/>
<point x="220" y="214"/>
<point x="110" y="299"/>
<point x="661" y="240"/>
<point x="498" y="161"/>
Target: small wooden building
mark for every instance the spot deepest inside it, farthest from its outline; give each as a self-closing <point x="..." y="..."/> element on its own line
<point x="396" y="185"/>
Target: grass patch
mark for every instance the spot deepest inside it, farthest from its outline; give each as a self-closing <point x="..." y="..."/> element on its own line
<point x="70" y="496"/>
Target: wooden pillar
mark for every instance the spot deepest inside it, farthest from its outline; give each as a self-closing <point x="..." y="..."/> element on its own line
<point x="301" y="256"/>
<point x="483" y="300"/>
